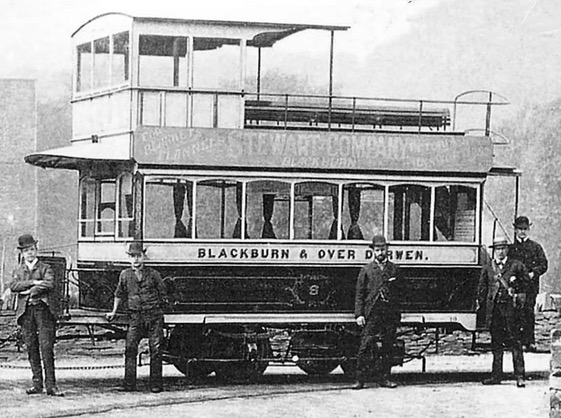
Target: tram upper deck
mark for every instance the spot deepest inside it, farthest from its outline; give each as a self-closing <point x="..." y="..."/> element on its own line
<point x="137" y="78"/>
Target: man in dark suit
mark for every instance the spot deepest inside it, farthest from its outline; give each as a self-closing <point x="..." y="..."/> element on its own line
<point x="377" y="311"/>
<point x="502" y="291"/>
<point x="33" y="281"/>
<point x="532" y="255"/>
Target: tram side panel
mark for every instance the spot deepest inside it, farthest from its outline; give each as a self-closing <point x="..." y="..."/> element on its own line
<point x="279" y="289"/>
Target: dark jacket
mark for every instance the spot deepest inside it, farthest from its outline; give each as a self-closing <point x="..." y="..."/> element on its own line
<point x="532" y="255"/>
<point x="492" y="291"/>
<point x="22" y="284"/>
<point x="378" y="288"/>
<point x="146" y="294"/>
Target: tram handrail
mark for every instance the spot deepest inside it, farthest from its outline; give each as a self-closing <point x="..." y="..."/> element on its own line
<point x="177" y="89"/>
<point x="496" y="219"/>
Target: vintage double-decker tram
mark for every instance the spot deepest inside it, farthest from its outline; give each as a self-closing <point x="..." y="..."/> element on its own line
<point x="258" y="207"/>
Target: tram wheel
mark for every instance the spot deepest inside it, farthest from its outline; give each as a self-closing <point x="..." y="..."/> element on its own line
<point x="185" y="342"/>
<point x="229" y="345"/>
<point x="243" y="371"/>
<point x="317" y="367"/>
<point x="316" y="344"/>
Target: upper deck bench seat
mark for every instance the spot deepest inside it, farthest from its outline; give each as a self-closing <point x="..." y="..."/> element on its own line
<point x="314" y="114"/>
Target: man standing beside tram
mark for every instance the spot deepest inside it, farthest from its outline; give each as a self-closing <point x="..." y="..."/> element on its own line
<point x="377" y="312"/>
<point x="33" y="282"/>
<point x="532" y="255"/>
<point x="503" y="286"/>
<point x="143" y="289"/>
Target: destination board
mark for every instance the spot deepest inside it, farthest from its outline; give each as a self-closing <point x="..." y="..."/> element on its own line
<point x="244" y="253"/>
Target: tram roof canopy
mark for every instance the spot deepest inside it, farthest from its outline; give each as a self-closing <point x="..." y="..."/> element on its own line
<point x="76" y="156"/>
<point x="264" y="34"/>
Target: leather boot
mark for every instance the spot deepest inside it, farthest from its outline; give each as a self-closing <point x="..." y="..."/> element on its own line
<point x="493" y="380"/>
<point x="387" y="383"/>
<point x="358" y="385"/>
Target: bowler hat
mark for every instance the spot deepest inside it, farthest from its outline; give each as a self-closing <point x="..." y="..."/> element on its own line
<point x="136" y="247"/>
<point x="378" y="241"/>
<point x="26" y="241"/>
<point x="500" y="242"/>
<point x="522" y="222"/>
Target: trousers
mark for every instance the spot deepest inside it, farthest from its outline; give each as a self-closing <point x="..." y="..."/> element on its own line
<point x="506" y="324"/>
<point x="38" y="327"/>
<point x="529" y="320"/>
<point x="143" y="324"/>
<point x="378" y="329"/>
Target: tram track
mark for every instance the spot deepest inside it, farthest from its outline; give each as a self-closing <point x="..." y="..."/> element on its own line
<point x="170" y="399"/>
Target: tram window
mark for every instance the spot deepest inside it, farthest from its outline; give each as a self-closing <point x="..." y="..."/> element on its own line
<point x="363" y="210"/>
<point x="409" y="213"/>
<point x="315" y="210"/>
<point x="218" y="208"/>
<point x="101" y="62"/>
<point x="216" y="63"/>
<point x="84" y="67"/>
<point x="125" y="220"/>
<point x="87" y="207"/>
<point x="162" y="61"/>
<point x="168" y="208"/>
<point x="106" y="208"/>
<point x="454" y="216"/>
<point x="120" y="59"/>
<point x="268" y="210"/>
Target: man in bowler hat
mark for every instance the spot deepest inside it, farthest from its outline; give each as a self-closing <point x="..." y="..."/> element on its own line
<point x="377" y="312"/>
<point x="144" y="291"/>
<point x="532" y="255"/>
<point x="33" y="281"/>
<point x="502" y="290"/>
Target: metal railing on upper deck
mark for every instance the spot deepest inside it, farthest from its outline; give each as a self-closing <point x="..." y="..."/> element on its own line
<point x="347" y="113"/>
<point x="343" y="113"/>
<point x="213" y="108"/>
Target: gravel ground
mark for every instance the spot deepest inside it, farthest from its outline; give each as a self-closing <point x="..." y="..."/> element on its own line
<point x="450" y="388"/>
<point x="90" y="373"/>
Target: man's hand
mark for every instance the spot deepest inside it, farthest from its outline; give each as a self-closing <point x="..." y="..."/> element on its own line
<point x="531" y="274"/>
<point x="361" y="321"/>
<point x="110" y="316"/>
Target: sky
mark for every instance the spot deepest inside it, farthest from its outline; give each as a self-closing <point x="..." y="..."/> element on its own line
<point x="432" y="49"/>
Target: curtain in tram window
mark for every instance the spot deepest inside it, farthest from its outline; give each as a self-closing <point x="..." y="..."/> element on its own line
<point x="333" y="231"/>
<point x="128" y="207"/>
<point x="354" y="210"/>
<point x="268" y="206"/>
<point x="189" y="195"/>
<point x="443" y="214"/>
<point x="238" y="228"/>
<point x="178" y="205"/>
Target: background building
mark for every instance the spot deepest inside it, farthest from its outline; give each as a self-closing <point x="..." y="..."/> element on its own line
<point x="33" y="200"/>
